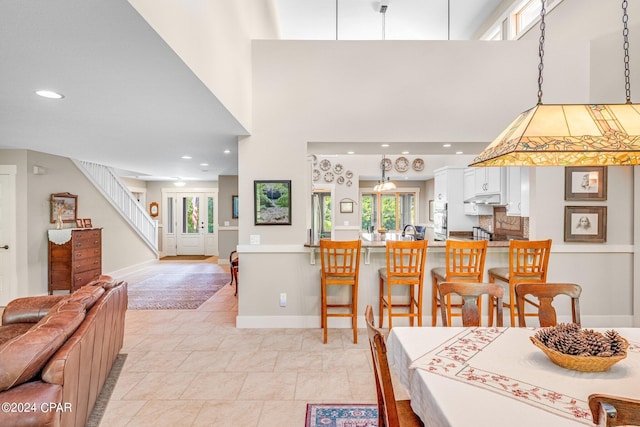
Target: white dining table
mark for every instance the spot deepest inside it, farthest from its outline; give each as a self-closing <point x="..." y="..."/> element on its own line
<point x="460" y="377"/>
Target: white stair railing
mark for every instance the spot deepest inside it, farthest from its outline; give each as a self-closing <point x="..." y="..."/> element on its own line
<point x="108" y="183"/>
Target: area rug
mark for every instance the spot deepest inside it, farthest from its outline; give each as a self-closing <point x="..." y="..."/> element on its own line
<point x="341" y="415"/>
<point x="175" y="291"/>
<point x="107" y="390"/>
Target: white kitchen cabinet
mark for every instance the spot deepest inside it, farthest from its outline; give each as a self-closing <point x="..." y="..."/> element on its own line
<point x="440" y="183"/>
<point x="469" y="184"/>
<point x="489" y="180"/>
<point x="517" y="197"/>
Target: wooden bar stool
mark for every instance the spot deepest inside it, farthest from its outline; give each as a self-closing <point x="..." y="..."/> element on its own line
<point x="340" y="267"/>
<point x="405" y="267"/>
<point x="528" y="262"/>
<point x="464" y="263"/>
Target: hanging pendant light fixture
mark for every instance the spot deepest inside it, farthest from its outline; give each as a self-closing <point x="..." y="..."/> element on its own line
<point x="385" y="183"/>
<point x="570" y="135"/>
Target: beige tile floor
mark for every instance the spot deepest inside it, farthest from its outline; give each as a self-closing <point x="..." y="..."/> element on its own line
<point x="194" y="368"/>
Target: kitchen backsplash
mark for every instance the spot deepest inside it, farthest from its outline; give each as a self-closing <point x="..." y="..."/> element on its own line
<point x="486" y="222"/>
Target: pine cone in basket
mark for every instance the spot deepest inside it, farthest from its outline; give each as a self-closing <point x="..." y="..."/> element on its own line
<point x="616" y="341"/>
<point x="568" y="338"/>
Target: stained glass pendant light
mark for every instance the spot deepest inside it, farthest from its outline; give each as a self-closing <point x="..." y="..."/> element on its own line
<point x="570" y="135"/>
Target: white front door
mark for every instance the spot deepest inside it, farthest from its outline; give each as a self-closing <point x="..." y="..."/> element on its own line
<point x="8" y="272"/>
<point x="191" y="223"/>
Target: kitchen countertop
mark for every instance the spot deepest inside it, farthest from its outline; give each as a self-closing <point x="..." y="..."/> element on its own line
<point x="431" y="244"/>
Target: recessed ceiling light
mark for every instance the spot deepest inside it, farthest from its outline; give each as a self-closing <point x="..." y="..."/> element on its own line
<point x="458" y="152"/>
<point x="227" y="151"/>
<point x="204" y="164"/>
<point x="179" y="183"/>
<point x="49" y="94"/>
<point x="405" y="152"/>
<point x="446" y="145"/>
<point x="384" y="145"/>
<point x="351" y="152"/>
<point x="186" y="157"/>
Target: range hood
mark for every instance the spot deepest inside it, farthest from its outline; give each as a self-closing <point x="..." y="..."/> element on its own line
<point x="489" y="199"/>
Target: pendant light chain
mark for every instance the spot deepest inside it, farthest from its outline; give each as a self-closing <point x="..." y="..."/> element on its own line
<point x="543" y="12"/>
<point x="625" y="45"/>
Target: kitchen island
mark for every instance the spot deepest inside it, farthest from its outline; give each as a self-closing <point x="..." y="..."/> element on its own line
<point x="374" y="258"/>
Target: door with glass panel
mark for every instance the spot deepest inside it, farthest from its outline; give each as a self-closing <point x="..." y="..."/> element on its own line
<point x="191" y="225"/>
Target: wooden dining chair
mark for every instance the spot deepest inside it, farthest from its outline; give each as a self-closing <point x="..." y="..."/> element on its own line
<point x="391" y="412"/>
<point x="545" y="293"/>
<point x="528" y="262"/>
<point x="405" y="267"/>
<point x="340" y="266"/>
<point x="464" y="262"/>
<point x="470" y="293"/>
<point x="608" y="410"/>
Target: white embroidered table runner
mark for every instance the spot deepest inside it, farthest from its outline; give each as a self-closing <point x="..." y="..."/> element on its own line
<point x="504" y="361"/>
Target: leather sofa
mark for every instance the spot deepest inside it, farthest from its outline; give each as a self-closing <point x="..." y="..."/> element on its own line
<point x="56" y="353"/>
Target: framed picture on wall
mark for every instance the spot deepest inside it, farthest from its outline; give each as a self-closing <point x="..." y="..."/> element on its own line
<point x="234" y="207"/>
<point x="585" y="183"/>
<point x="585" y="224"/>
<point x="346" y="207"/>
<point x="65" y="206"/>
<point x="272" y="202"/>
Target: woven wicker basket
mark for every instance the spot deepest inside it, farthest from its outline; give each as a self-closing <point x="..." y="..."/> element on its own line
<point x="580" y="363"/>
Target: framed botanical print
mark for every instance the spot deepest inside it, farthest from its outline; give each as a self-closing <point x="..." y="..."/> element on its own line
<point x="585" y="183"/>
<point x="585" y="224"/>
<point x="234" y="207"/>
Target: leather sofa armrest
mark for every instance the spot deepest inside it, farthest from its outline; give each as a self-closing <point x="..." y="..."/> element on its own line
<point x="29" y="309"/>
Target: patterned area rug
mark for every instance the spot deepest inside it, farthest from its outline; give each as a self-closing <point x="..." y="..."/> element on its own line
<point x="107" y="390"/>
<point x="175" y="291"/>
<point x="339" y="415"/>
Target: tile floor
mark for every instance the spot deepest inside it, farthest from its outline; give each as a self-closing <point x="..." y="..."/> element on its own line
<point x="194" y="368"/>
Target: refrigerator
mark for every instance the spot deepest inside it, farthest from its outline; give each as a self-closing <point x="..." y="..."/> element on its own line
<point x="440" y="230"/>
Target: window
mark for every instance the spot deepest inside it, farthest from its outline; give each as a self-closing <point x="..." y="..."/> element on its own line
<point x="527" y="15"/>
<point x="390" y="210"/>
<point x="190" y="214"/>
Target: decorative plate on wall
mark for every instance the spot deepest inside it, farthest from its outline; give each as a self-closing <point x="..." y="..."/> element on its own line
<point x="402" y="164"/>
<point x="349" y="174"/>
<point x="387" y="164"/>
<point x="338" y="168"/>
<point x="418" y="165"/>
<point x="325" y="165"/>
<point x="316" y="174"/>
<point x="349" y="183"/>
<point x="328" y="177"/>
<point x="340" y="180"/>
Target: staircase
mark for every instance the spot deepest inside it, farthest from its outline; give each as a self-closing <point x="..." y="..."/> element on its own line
<point x="107" y="182"/>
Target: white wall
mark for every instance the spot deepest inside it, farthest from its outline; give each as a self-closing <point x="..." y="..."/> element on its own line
<point x="213" y="37"/>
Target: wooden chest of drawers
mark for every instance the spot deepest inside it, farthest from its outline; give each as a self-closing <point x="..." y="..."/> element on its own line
<point x="75" y="262"/>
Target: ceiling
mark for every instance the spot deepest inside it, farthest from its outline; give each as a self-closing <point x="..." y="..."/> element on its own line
<point x="132" y="104"/>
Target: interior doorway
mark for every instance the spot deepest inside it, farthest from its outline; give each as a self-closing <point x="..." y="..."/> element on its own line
<point x="190" y="221"/>
<point x="8" y="225"/>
